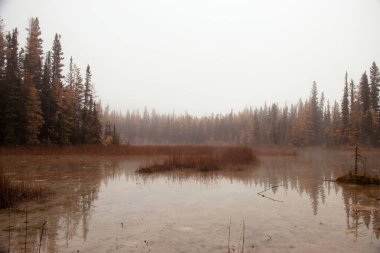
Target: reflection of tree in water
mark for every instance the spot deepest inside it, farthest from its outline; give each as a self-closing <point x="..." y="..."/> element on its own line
<point x="244" y="176"/>
<point x="77" y="183"/>
<point x="360" y="206"/>
<point x="305" y="175"/>
<point x="76" y="186"/>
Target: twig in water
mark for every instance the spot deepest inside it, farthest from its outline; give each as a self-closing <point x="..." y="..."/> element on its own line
<point x="269" y="188"/>
<point x="269" y="237"/>
<point x="26" y="227"/>
<point x="9" y="230"/>
<point x="242" y="248"/>
<point x="262" y="195"/>
<point x="229" y="236"/>
<point x="328" y="180"/>
<point x="242" y="235"/>
<point x="42" y="233"/>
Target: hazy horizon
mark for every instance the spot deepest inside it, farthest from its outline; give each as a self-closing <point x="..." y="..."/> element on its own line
<point x="209" y="56"/>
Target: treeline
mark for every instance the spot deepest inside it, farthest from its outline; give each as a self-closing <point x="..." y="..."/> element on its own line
<point x="37" y="103"/>
<point x="314" y="121"/>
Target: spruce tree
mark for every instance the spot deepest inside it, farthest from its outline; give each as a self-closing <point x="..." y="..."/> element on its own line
<point x="47" y="101"/>
<point x="364" y="93"/>
<point x="315" y="114"/>
<point x="69" y="101"/>
<point x="327" y="123"/>
<point x="96" y="125"/>
<point x="375" y="110"/>
<point x="345" y="111"/>
<point x="33" y="83"/>
<point x="78" y="105"/>
<point x="336" y="125"/>
<point x="13" y="91"/>
<point x="374" y="77"/>
<point x="2" y="81"/>
<point x="365" y="103"/>
<point x="355" y="114"/>
<point x="87" y="114"/>
<point x="60" y="131"/>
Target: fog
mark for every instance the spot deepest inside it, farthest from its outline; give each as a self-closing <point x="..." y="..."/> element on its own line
<point x="210" y="55"/>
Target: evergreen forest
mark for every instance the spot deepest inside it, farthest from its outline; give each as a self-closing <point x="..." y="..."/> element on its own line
<point x="39" y="104"/>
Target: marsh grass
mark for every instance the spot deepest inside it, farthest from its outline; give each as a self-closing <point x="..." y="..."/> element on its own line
<point x="352" y="178"/>
<point x="12" y="193"/>
<point x="202" y="159"/>
<point x="275" y="151"/>
<point x="136" y="150"/>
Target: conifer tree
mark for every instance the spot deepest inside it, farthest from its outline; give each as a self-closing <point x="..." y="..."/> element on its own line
<point x="315" y="114"/>
<point x="32" y="81"/>
<point x="69" y="102"/>
<point x="365" y="103"/>
<point x="355" y="114"/>
<point x="327" y="123"/>
<point x="13" y="87"/>
<point x="60" y="126"/>
<point x="321" y="118"/>
<point x="2" y="51"/>
<point x="374" y="86"/>
<point x="336" y="125"/>
<point x="345" y="111"/>
<point x="90" y="118"/>
<point x="364" y="93"/>
<point x="96" y="125"/>
<point x="86" y="112"/>
<point x="47" y="101"/>
<point x="375" y="110"/>
<point x="78" y="105"/>
<point x="2" y="81"/>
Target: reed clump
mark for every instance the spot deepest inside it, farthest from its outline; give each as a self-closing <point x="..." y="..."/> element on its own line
<point x="202" y="159"/>
<point x="117" y="150"/>
<point x="352" y="178"/>
<point x="11" y="193"/>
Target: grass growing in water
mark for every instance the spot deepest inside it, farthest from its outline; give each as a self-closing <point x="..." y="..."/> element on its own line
<point x="356" y="178"/>
<point x="202" y="159"/>
<point x="133" y="150"/>
<point x="11" y="193"/>
<point x="351" y="178"/>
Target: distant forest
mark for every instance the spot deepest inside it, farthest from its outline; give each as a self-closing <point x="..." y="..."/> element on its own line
<point x="355" y="119"/>
<point x="38" y="104"/>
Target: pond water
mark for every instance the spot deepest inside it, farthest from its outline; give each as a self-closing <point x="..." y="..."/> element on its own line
<point x="102" y="205"/>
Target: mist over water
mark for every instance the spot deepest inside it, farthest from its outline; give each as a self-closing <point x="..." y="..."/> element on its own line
<point x="103" y="205"/>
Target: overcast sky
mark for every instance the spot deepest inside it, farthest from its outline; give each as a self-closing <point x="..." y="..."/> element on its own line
<point x="204" y="56"/>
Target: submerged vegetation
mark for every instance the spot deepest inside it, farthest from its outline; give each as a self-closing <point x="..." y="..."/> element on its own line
<point x="11" y="193"/>
<point x="203" y="159"/>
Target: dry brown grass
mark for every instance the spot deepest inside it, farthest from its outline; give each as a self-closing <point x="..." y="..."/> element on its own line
<point x="234" y="152"/>
<point x="275" y="151"/>
<point x="202" y="158"/>
<point x="11" y="193"/>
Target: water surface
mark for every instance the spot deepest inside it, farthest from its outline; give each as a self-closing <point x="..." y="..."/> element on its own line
<point x="102" y="205"/>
